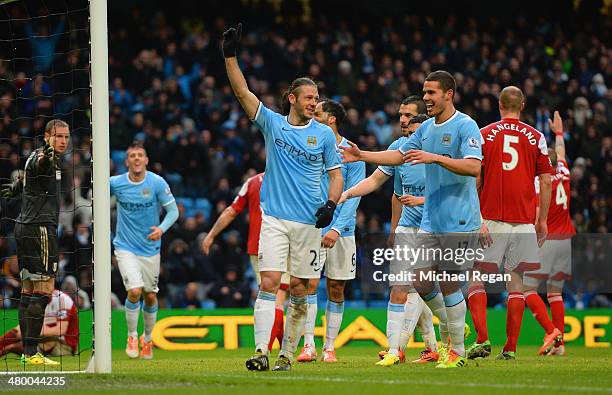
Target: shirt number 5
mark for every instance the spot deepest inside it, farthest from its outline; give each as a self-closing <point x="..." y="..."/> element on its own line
<point x="508" y="149"/>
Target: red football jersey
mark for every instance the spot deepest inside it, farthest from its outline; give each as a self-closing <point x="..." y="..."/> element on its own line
<point x="559" y="222"/>
<point x="249" y="196"/>
<point x="513" y="154"/>
<point x="61" y="310"/>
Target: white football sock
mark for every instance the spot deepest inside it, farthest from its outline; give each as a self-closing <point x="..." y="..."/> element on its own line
<point x="264" y="312"/>
<point x="294" y="326"/>
<point x="311" y="316"/>
<point x="412" y="311"/>
<point x="333" y="314"/>
<point x="455" y="311"/>
<point x="435" y="301"/>
<point x="149" y="313"/>
<point x="426" y="328"/>
<point x="395" y="318"/>
<point x="132" y="313"/>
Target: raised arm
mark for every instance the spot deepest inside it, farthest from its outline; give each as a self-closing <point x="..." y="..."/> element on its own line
<point x="229" y="44"/>
<point x="556" y="125"/>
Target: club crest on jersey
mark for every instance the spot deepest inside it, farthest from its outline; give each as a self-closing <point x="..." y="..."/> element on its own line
<point x="146" y="192"/>
<point x="311" y="141"/>
<point x="446" y="139"/>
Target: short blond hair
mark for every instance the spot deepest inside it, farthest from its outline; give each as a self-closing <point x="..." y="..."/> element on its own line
<point x="512" y="99"/>
<point x="54" y="124"/>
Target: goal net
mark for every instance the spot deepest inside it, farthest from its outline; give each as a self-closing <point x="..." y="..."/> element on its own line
<point x="46" y="73"/>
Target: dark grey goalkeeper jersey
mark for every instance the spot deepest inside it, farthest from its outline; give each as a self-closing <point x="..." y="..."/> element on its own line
<point x="40" y="201"/>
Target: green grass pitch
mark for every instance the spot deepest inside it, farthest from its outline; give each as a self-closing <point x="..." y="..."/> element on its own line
<point x="585" y="371"/>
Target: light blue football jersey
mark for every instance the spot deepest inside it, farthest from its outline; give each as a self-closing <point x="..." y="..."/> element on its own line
<point x="407" y="180"/>
<point x="138" y="208"/>
<point x="296" y="159"/>
<point x="346" y="213"/>
<point x="451" y="200"/>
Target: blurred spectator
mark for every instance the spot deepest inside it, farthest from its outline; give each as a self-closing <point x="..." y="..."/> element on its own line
<point x="231" y="291"/>
<point x="71" y="288"/>
<point x="168" y="89"/>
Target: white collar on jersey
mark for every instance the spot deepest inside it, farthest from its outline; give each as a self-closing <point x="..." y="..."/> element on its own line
<point x="447" y="121"/>
<point x="127" y="175"/>
<point x="300" y="126"/>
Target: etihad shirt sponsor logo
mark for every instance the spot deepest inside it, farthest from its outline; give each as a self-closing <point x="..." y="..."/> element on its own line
<point x="135" y="206"/>
<point x="296" y="152"/>
<point x="414" y="189"/>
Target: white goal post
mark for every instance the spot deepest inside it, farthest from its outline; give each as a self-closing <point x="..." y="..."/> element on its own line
<point x="102" y="355"/>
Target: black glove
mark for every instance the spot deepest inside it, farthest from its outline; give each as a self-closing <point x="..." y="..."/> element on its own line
<point x="9" y="191"/>
<point x="48" y="151"/>
<point x="231" y="39"/>
<point x="325" y="214"/>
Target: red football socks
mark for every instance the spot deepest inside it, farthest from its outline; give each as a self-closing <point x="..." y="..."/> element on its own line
<point x="514" y="318"/>
<point x="557" y="310"/>
<point x="538" y="309"/>
<point x="477" y="303"/>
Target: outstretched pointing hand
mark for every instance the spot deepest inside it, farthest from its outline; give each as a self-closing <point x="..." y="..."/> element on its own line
<point x="352" y="153"/>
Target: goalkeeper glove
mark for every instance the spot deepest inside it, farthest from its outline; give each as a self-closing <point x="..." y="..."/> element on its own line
<point x="325" y="214"/>
<point x="48" y="151"/>
<point x="9" y="191"/>
<point x="231" y="39"/>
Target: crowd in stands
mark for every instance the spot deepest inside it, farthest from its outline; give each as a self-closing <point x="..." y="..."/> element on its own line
<point x="168" y="89"/>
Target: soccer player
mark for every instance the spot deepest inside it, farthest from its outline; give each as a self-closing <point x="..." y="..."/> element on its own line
<point x="406" y="307"/>
<point x="338" y="254"/>
<point x="249" y="196"/>
<point x="59" y="334"/>
<point x="449" y="144"/>
<point x="140" y="196"/>
<point x="298" y="150"/>
<point x="513" y="154"/>
<point x="36" y="234"/>
<point x="555" y="255"/>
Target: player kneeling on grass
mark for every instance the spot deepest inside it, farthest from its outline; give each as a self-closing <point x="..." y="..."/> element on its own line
<point x="140" y="195"/>
<point x="338" y="252"/>
<point x="36" y="234"/>
<point x="59" y="335"/>
<point x="298" y="151"/>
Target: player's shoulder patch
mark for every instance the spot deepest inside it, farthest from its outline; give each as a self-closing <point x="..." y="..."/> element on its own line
<point x="473" y="142"/>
